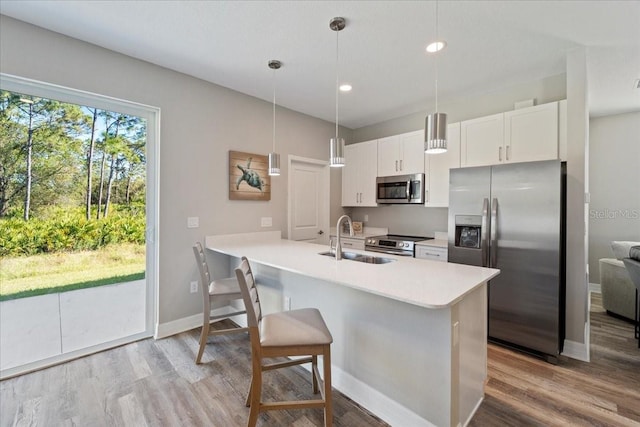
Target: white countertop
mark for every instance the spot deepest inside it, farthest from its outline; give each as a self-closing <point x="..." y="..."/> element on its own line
<point x="366" y="232"/>
<point x="425" y="283"/>
<point x="438" y="243"/>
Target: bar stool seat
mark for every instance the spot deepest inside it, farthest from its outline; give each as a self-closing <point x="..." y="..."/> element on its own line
<point x="298" y="327"/>
<point x="300" y="332"/>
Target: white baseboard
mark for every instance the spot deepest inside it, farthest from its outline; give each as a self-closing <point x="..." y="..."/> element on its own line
<point x="382" y="406"/>
<point x="184" y="324"/>
<point x="174" y="327"/>
<point x="371" y="399"/>
<point x="576" y="350"/>
<point x="595" y="287"/>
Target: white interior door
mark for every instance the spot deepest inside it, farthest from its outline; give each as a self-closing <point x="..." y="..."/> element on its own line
<point x="308" y="200"/>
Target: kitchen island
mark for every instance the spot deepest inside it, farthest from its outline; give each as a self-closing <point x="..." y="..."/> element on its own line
<point x="409" y="335"/>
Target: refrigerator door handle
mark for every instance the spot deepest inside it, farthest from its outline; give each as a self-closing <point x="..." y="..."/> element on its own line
<point x="494" y="233"/>
<point x="484" y="243"/>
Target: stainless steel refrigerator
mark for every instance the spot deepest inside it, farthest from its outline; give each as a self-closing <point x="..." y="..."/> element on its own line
<point x="511" y="217"/>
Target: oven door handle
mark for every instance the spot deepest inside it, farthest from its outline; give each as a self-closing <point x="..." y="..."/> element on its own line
<point x="383" y="251"/>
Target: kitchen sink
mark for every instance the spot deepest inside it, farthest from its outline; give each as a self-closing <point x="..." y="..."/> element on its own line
<point x="369" y="259"/>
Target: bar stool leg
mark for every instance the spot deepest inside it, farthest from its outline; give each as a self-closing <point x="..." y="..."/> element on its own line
<point x="328" y="408"/>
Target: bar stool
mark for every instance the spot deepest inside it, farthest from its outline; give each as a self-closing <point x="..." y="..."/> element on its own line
<point x="226" y="289"/>
<point x="289" y="333"/>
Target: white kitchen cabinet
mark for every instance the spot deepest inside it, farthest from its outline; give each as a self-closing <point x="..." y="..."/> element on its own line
<point x="433" y="253"/>
<point x="359" y="174"/>
<point x="523" y="135"/>
<point x="482" y="141"/>
<point x="401" y="154"/>
<point x="437" y="169"/>
<point x="531" y="134"/>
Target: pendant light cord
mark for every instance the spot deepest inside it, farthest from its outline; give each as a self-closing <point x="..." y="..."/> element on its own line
<point x="273" y="80"/>
<point x="337" y="83"/>
<point x="437" y="53"/>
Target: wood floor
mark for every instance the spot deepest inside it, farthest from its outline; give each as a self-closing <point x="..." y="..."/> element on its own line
<point x="156" y="383"/>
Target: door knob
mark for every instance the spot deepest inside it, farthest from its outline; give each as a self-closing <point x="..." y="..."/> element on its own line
<point x="321" y="232"/>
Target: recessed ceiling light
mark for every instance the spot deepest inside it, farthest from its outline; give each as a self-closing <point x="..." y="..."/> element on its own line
<point x="436" y="46"/>
<point x="345" y="87"/>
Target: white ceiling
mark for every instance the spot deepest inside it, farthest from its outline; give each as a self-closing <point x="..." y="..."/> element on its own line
<point x="491" y="44"/>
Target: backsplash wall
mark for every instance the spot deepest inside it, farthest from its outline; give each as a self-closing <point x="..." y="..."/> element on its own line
<point x="403" y="219"/>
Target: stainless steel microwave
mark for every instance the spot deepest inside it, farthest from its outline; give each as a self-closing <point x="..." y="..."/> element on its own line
<point x="401" y="189"/>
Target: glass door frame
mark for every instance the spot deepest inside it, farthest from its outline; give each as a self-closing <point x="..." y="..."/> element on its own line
<point x="152" y="116"/>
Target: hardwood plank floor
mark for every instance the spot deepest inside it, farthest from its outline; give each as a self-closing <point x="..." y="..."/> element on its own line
<point x="156" y="383"/>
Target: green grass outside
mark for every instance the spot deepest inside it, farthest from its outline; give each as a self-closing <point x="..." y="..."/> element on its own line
<point x="22" y="277"/>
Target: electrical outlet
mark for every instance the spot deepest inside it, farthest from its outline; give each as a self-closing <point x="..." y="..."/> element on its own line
<point x="194" y="287"/>
<point x="366" y="218"/>
<point x="193" y="222"/>
<point x="266" y="221"/>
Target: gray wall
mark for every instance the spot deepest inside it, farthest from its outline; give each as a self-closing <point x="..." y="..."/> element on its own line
<point x="544" y="91"/>
<point x="200" y="123"/>
<point x="614" y="179"/>
<point x="577" y="184"/>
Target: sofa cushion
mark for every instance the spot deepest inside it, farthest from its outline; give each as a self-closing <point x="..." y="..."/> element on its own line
<point x="634" y="253"/>
<point x="621" y="248"/>
<point x="618" y="292"/>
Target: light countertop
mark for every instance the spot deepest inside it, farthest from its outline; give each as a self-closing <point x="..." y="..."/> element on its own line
<point x="424" y="283"/>
<point x="366" y="232"/>
<point x="438" y="243"/>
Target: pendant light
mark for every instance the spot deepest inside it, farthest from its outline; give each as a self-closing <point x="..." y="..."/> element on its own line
<point x="336" y="145"/>
<point x="274" y="158"/>
<point x="435" y="132"/>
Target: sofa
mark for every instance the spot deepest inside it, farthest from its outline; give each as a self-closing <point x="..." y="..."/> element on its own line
<point x="618" y="291"/>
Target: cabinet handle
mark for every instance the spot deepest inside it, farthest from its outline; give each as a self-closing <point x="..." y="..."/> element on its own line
<point x="508" y="151"/>
<point x="400" y="164"/>
<point x="499" y="154"/>
<point x="396" y="166"/>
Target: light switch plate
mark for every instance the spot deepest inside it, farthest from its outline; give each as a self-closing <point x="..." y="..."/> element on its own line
<point x="266" y="221"/>
<point x="193" y="222"/>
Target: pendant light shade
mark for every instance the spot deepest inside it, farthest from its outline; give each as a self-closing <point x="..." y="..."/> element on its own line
<point x="435" y="129"/>
<point x="336" y="152"/>
<point x="435" y="134"/>
<point x="336" y="145"/>
<point x="274" y="164"/>
<point x="274" y="158"/>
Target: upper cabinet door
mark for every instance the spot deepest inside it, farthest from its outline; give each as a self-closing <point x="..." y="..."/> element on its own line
<point x="401" y="154"/>
<point x="350" y="176"/>
<point x="389" y="156"/>
<point x="482" y="141"/>
<point x="412" y="146"/>
<point x="437" y="168"/>
<point x="359" y="174"/>
<point x="531" y="134"/>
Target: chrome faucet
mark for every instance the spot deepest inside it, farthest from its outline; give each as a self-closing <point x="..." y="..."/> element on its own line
<point x="338" y="244"/>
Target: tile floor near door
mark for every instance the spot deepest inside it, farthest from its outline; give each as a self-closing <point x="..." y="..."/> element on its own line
<point x="156" y="383"/>
<point x="45" y="326"/>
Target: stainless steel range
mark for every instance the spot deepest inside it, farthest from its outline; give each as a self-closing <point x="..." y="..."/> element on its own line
<point x="393" y="244"/>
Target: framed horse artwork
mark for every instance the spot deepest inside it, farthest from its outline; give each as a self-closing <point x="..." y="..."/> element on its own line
<point x="248" y="176"/>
